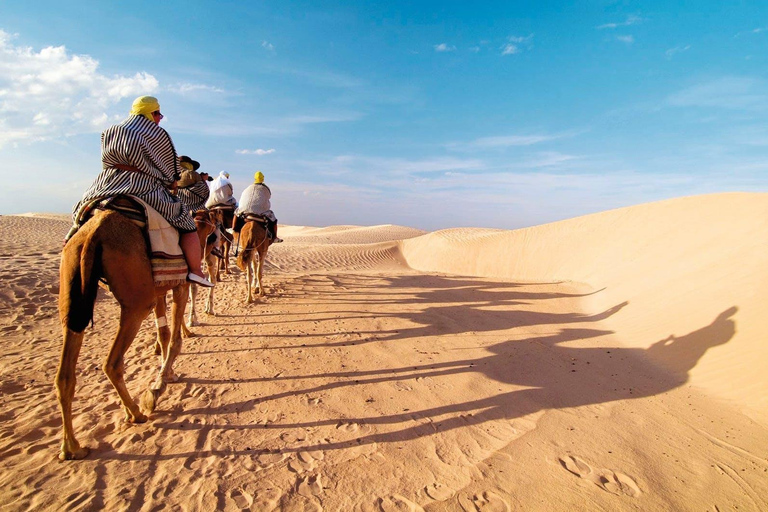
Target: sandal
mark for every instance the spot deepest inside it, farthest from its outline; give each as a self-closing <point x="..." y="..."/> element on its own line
<point x="199" y="280"/>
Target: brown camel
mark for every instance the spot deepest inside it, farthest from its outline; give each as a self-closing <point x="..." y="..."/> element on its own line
<point x="111" y="247"/>
<point x="206" y="222"/>
<point x="254" y="243"/>
<point x="227" y="213"/>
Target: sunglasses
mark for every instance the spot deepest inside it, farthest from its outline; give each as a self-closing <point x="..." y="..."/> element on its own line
<point x="157" y="113"/>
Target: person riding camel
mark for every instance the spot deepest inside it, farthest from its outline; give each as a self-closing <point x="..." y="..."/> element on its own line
<point x="255" y="200"/>
<point x="222" y="192"/>
<point x="138" y="158"/>
<point x="192" y="187"/>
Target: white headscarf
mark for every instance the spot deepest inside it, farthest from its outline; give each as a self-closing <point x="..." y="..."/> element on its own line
<point x="221" y="181"/>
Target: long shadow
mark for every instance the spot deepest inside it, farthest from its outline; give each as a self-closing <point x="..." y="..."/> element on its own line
<point x="574" y="376"/>
<point x="573" y="379"/>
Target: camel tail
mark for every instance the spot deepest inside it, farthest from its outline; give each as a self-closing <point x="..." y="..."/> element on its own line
<point x="243" y="257"/>
<point x="80" y="273"/>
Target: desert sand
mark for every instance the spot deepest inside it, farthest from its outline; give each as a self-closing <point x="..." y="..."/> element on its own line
<point x="607" y="362"/>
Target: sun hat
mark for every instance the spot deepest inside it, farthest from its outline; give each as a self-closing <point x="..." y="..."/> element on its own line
<point x="184" y="159"/>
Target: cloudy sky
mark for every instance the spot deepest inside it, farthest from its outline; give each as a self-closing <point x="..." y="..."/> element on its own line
<point x="424" y="114"/>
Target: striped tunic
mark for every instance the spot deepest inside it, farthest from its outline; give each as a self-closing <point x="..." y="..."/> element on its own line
<point x="140" y="143"/>
<point x="195" y="196"/>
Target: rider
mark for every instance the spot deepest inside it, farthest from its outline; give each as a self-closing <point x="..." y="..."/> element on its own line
<point x="221" y="191"/>
<point x="255" y="199"/>
<point x="138" y="158"/>
<point x="193" y="190"/>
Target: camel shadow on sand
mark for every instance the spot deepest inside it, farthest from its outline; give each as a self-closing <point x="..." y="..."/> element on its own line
<point x="574" y="376"/>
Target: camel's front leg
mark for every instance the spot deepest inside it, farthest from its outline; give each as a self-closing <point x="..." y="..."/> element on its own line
<point x="177" y="320"/>
<point x="65" y="389"/>
<point x="192" y="317"/>
<point x="213" y="276"/>
<point x="166" y="375"/>
<point x="114" y="366"/>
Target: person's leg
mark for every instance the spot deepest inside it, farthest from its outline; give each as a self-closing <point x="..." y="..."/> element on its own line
<point x="190" y="246"/>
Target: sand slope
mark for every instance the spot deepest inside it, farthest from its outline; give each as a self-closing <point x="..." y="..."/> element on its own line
<point x="680" y="266"/>
<point x="608" y="362"/>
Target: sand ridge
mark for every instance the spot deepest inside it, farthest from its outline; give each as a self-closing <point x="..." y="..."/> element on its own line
<point x="576" y="365"/>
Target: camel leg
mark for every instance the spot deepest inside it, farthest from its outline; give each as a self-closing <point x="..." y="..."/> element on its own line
<point x="249" y="280"/>
<point x="192" y="317"/>
<point x="163" y="332"/>
<point x="65" y="389"/>
<point x="260" y="265"/>
<point x="150" y="397"/>
<point x="131" y="318"/>
<point x="213" y="276"/>
<point x="177" y="320"/>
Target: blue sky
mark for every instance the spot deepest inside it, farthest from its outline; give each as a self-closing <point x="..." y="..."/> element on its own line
<point x="424" y="114"/>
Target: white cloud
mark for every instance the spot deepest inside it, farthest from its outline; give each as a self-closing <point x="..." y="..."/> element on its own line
<point x="631" y="20"/>
<point x="506" y="141"/>
<point x="186" y="89"/>
<point x="442" y="47"/>
<point x="51" y="93"/>
<point x="626" y="39"/>
<point x="677" y="49"/>
<point x="517" y="44"/>
<point x="258" y="152"/>
<point x="739" y="93"/>
<point x="509" y="49"/>
<point x="269" y="46"/>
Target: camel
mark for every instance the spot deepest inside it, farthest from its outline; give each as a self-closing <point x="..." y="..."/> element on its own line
<point x="110" y="246"/>
<point x="206" y="222"/>
<point x="253" y="239"/>
<point x="227" y="213"/>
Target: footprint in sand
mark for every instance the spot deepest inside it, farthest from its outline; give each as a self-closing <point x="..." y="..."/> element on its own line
<point x="610" y="481"/>
<point x="396" y="503"/>
<point x="488" y="501"/>
<point x="576" y="466"/>
<point x="619" y="483"/>
<point x="269" y="458"/>
<point x="438" y="491"/>
<point x="353" y="428"/>
<point x="242" y="499"/>
<point x="309" y="486"/>
<point x="306" y="461"/>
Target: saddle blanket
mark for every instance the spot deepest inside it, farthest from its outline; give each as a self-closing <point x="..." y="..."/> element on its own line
<point x="169" y="268"/>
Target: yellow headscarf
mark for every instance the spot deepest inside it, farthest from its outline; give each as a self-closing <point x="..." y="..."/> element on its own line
<point x="258" y="177"/>
<point x="144" y="106"/>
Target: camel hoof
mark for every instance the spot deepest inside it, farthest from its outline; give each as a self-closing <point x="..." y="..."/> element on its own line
<point x="149" y="401"/>
<point x="135" y="418"/>
<point x="78" y="454"/>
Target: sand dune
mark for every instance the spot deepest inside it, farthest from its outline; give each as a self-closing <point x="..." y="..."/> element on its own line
<point x="607" y="362"/>
<point x="679" y="265"/>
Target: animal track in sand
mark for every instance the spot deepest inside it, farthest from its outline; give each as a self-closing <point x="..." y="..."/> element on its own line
<point x="438" y="491"/>
<point x="395" y="503"/>
<point x="576" y="466"/>
<point x="609" y="481"/>
<point x="488" y="501"/>
<point x="242" y="499"/>
<point x="306" y="461"/>
<point x="309" y="486"/>
<point x="353" y="427"/>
